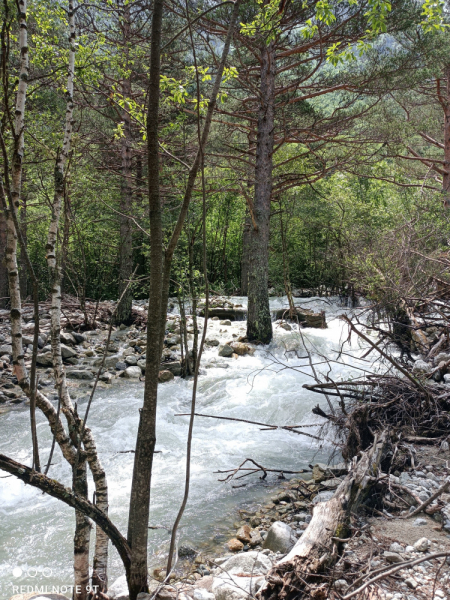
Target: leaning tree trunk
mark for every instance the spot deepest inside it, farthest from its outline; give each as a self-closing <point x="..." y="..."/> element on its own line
<point x="318" y="548"/>
<point x="259" y="323"/>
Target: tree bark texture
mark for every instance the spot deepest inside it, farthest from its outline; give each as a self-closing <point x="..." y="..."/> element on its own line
<point x="4" y="287"/>
<point x="318" y="547"/>
<point x="259" y="323"/>
<point x="446" y="107"/>
<point x="245" y="254"/>
<point x="146" y="437"/>
<point x="126" y="231"/>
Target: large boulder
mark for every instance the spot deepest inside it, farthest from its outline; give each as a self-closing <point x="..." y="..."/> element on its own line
<point x="280" y="538"/>
<point x="234" y="587"/>
<point x="247" y="562"/>
<point x="67" y="338"/>
<point x="306" y="317"/>
<point x="119" y="589"/>
<point x="165" y="376"/>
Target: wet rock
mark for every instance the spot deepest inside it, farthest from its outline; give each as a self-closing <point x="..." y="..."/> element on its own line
<point x="286" y="326"/>
<point x="133" y="372"/>
<point x="422" y="545"/>
<point x="5" y="349"/>
<point x="306" y="317"/>
<point x="67" y="352"/>
<point x="106" y="377"/>
<point x="174" y="340"/>
<point x="173" y="366"/>
<point x="120" y="366"/>
<point x="232" y="314"/>
<point x="241" y="349"/>
<point x="131" y="360"/>
<point x="225" y="351"/>
<point x="235" y="545"/>
<point x="280" y="538"/>
<point x="185" y="551"/>
<point x="141" y="363"/>
<point x="243" y="534"/>
<point x="164" y="376"/>
<point x="78" y="337"/>
<point x="226" y="322"/>
<point x="110" y="361"/>
<point x="80" y="374"/>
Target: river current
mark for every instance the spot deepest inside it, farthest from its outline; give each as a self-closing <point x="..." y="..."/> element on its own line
<point x="36" y="531"/>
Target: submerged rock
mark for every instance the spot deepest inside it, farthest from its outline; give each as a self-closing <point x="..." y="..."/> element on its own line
<point x="225" y="351"/>
<point x="165" y="376"/>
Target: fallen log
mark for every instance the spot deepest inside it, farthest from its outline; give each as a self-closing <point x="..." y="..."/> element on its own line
<point x="318" y="548"/>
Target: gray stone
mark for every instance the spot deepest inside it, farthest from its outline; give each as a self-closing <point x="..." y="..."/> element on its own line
<point x="286" y="326"/>
<point x="422" y="545"/>
<point x="340" y="585"/>
<point x="225" y="351"/>
<point x="396" y="547"/>
<point x="141" y="363"/>
<point x="411" y="583"/>
<point x="131" y="360"/>
<point x="78" y="337"/>
<point x="133" y="372"/>
<point x="247" y="562"/>
<point x="420" y="366"/>
<point x="27" y="340"/>
<point x="80" y="374"/>
<point x="67" y="352"/>
<point x="233" y="587"/>
<point x="67" y="338"/>
<point x="44" y="359"/>
<point x="226" y="322"/>
<point x="110" y="361"/>
<point x="323" y="497"/>
<point x="165" y="376"/>
<point x="202" y="594"/>
<point x="174" y="340"/>
<point x="423" y="496"/>
<point x="5" y="349"/>
<point x="392" y="557"/>
<point x="120" y="366"/>
<point x="212" y="342"/>
<point x="420" y="521"/>
<point x="106" y="377"/>
<point x="280" y="538"/>
<point x="173" y="366"/>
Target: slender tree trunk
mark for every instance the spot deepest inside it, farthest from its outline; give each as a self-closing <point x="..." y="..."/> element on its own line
<point x="146" y="438"/>
<point x="446" y="107"/>
<point x="4" y="287"/>
<point x="126" y="233"/>
<point x="23" y="269"/>
<point x="259" y="323"/>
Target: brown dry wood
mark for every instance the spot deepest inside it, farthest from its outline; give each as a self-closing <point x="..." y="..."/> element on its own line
<point x="316" y="549"/>
<point x="291" y="428"/>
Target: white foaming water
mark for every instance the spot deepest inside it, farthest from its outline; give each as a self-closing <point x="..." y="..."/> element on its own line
<point x="36" y="531"/>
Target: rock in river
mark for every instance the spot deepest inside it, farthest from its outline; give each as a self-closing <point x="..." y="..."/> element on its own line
<point x="280" y="538"/>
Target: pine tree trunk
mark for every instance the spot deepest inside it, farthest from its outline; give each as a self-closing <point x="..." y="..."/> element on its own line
<point x="23" y="270"/>
<point x="245" y="254"/>
<point x="259" y="323"/>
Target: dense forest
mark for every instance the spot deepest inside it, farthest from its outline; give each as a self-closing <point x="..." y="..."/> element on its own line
<point x="170" y="154"/>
